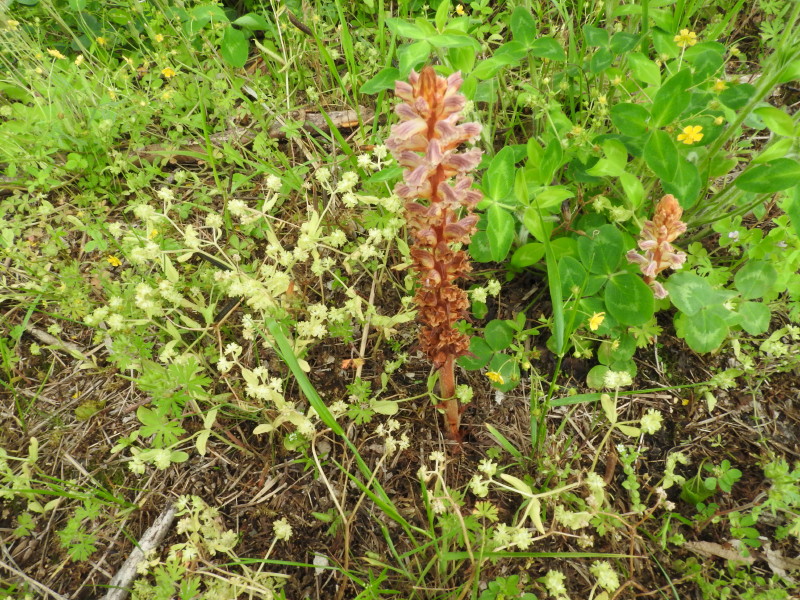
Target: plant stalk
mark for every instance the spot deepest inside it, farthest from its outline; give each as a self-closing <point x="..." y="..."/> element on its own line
<point x="451" y="405"/>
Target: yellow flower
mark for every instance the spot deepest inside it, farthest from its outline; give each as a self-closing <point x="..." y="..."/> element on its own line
<point x="719" y="121"/>
<point x="691" y="134"/>
<point x="79" y="60"/>
<point x="596" y="320"/>
<point x="153" y="233"/>
<point x="720" y="86"/>
<point x="168" y="73"/>
<point x="602" y="100"/>
<point x="113" y="261"/>
<point x="459" y="10"/>
<point x="495" y="377"/>
<point x="686" y="38"/>
<point x="11" y="25"/>
<point x="734" y="51"/>
<point x="55" y="53"/>
<point x="101" y="41"/>
<point x="158" y="38"/>
<point x="617" y="80"/>
<point x="576" y="130"/>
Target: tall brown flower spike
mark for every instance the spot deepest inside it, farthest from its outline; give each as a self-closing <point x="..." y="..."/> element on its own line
<point x="656" y="241"/>
<point x="439" y="214"/>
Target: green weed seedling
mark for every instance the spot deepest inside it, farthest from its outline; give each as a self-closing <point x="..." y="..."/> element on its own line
<point x="699" y="488"/>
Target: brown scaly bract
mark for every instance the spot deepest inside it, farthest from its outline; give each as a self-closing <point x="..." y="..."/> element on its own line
<point x="426" y="143"/>
<point x="655" y="239"/>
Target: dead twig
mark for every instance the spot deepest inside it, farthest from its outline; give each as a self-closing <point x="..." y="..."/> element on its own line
<point x="194" y="151"/>
<point x="154" y="535"/>
<point x="72" y="349"/>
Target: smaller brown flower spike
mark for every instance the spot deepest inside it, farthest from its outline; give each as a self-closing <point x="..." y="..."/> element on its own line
<point x="656" y="240"/>
<point x="439" y="213"/>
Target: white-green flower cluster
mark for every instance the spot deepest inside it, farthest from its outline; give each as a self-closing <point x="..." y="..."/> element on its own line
<point x="509" y="536"/>
<point x="479" y="485"/>
<point x="481" y="294"/>
<point x="203" y="528"/>
<point x="391" y="442"/>
<point x="261" y="386"/>
<point x="573" y="520"/>
<point x="615" y="380"/>
<point x="670" y="476"/>
<point x="147" y="301"/>
<point x="596" y="486"/>
<point x="282" y="529"/>
<point x="314" y="326"/>
<point x="607" y="577"/>
<point x="554" y="584"/>
<point x="651" y="421"/>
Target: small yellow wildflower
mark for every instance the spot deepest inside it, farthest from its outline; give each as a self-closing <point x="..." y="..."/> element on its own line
<point x="101" y="41"/>
<point x="596" y="320"/>
<point x="168" y="73"/>
<point x="112" y="94"/>
<point x="495" y="377"/>
<point x="55" y="53"/>
<point x="577" y="130"/>
<point x="158" y="38"/>
<point x="79" y="60"/>
<point x="602" y="100"/>
<point x="691" y="134"/>
<point x="12" y="25"/>
<point x="167" y="94"/>
<point x="734" y="51"/>
<point x="720" y="86"/>
<point x="686" y="38"/>
<point x="460" y="10"/>
<point x="617" y="80"/>
<point x="153" y="233"/>
<point x="113" y="261"/>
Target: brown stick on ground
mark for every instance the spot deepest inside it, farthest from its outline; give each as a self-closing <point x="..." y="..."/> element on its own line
<point x="196" y="150"/>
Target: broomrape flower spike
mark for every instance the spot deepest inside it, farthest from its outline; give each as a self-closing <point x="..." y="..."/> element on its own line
<point x="691" y="134"/>
<point x="439" y="214"/>
<point x="655" y="240"/>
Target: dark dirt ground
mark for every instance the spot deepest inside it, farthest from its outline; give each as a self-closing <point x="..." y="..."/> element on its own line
<point x="256" y="481"/>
